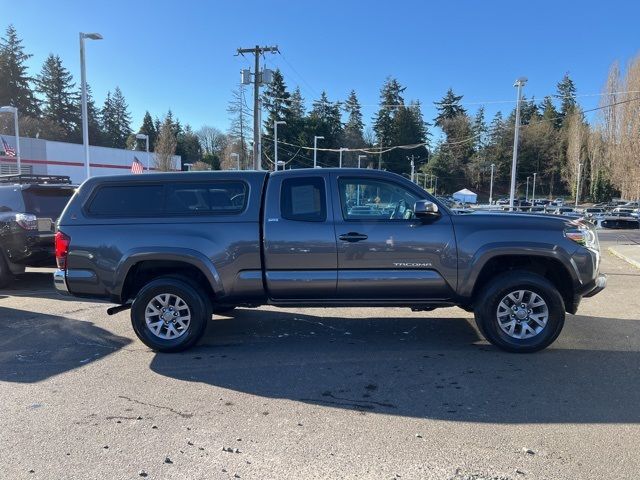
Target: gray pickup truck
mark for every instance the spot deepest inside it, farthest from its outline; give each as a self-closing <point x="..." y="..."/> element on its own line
<point x="179" y="247"/>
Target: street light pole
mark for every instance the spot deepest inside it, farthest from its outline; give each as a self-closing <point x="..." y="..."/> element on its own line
<point x="493" y="165"/>
<point x="315" y="150"/>
<point x="578" y="183"/>
<point x="14" y="111"/>
<point x="526" y="195"/>
<point x="359" y="157"/>
<point x="533" y="193"/>
<point x="436" y="187"/>
<point x="520" y="82"/>
<point x="237" y="155"/>
<point x="142" y="136"/>
<point x="413" y="168"/>
<point x="275" y="143"/>
<point x="83" y="86"/>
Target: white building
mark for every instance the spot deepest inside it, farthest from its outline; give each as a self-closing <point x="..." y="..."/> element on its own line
<point x="45" y="157"/>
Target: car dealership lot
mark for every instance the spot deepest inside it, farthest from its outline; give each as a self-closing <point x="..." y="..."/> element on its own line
<point x="318" y="393"/>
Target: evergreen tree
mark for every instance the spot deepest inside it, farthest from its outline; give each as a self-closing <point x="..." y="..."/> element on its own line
<point x="15" y="84"/>
<point x="188" y="146"/>
<point x="549" y="112"/>
<point x="353" y="135"/>
<point x="149" y="128"/>
<point x="383" y="123"/>
<point x="116" y="120"/>
<point x="566" y="92"/>
<point x="325" y="120"/>
<point x="277" y="103"/>
<point x="354" y="126"/>
<point x="480" y="129"/>
<point x="297" y="104"/>
<point x="59" y="100"/>
<point x="93" y="119"/>
<point x="449" y="107"/>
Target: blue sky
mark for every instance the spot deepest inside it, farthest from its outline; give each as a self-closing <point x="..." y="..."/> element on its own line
<point x="180" y="54"/>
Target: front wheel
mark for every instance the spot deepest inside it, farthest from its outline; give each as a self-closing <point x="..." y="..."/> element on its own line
<point x="170" y="314"/>
<point x="520" y="312"/>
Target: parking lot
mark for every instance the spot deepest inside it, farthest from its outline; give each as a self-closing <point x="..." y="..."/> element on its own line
<point x="318" y="393"/>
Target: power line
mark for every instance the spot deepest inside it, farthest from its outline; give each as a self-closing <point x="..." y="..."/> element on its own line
<point x="485" y="102"/>
<point x="377" y="150"/>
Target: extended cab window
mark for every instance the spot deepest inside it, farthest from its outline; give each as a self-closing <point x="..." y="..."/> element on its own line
<point x="369" y="199"/>
<point x="303" y="199"/>
<point x="128" y="201"/>
<point x="210" y="197"/>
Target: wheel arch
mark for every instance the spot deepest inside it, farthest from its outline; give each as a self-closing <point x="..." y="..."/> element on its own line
<point x="140" y="267"/>
<point x="549" y="267"/>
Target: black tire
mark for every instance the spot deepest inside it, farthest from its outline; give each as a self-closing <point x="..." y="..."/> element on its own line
<point x="195" y="299"/>
<point x="6" y="277"/>
<point x="500" y="286"/>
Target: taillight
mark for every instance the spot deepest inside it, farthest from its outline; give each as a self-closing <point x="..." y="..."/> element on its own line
<point x="62" y="249"/>
<point x="27" y="221"/>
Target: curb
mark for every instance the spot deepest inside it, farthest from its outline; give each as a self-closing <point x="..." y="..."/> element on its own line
<point x="626" y="258"/>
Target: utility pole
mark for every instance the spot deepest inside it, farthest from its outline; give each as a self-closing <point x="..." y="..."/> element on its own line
<point x="436" y="187"/>
<point x="520" y="82"/>
<point x="526" y="195"/>
<point x="340" y="161"/>
<point x="257" y="81"/>
<point x="380" y="158"/>
<point x="578" y="183"/>
<point x="493" y="165"/>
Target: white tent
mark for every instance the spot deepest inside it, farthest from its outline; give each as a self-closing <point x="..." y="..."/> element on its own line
<point x="465" y="196"/>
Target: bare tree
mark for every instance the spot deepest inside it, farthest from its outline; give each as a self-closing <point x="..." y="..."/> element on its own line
<point x="166" y="147"/>
<point x="240" y="117"/>
<point x="212" y="140"/>
<point x="575" y="147"/>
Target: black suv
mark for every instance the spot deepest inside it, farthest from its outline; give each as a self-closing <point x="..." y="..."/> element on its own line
<point x="29" y="208"/>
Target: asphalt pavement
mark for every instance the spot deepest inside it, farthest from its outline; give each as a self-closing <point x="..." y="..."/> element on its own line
<point x="318" y="393"/>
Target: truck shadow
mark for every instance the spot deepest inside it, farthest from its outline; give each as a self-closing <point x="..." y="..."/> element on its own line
<point x="418" y="367"/>
<point x="36" y="346"/>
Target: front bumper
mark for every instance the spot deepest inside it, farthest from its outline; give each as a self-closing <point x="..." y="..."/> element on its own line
<point x="60" y="282"/>
<point x="600" y="284"/>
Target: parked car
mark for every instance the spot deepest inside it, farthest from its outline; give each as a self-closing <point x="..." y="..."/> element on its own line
<point x="29" y="208"/>
<point x="166" y="247"/>
<point x="559" y="202"/>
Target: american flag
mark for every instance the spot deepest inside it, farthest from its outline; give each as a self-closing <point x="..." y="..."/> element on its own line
<point x="8" y="151"/>
<point x="136" y="166"/>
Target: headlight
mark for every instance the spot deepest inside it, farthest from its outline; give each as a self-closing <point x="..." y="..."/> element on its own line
<point x="583" y="234"/>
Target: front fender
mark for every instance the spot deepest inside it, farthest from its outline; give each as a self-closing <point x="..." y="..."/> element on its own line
<point x="470" y="266"/>
<point x="186" y="255"/>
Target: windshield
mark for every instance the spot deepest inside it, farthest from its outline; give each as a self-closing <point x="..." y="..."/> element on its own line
<point x="46" y="202"/>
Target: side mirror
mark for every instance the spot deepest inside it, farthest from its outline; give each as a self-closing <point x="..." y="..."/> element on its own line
<point x="425" y="209"/>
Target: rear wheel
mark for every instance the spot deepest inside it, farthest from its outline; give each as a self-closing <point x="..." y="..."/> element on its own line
<point x="520" y="312"/>
<point x="170" y="314"/>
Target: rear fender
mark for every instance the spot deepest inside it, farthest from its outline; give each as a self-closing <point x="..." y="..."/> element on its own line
<point x="186" y="255"/>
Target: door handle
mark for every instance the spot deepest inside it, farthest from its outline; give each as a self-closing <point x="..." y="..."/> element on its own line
<point x="352" y="237"/>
